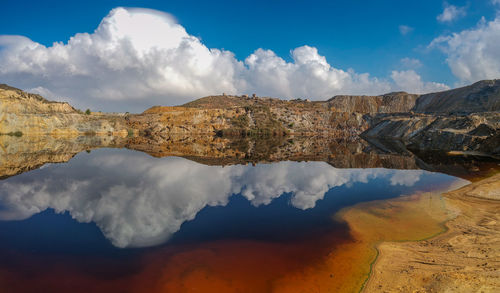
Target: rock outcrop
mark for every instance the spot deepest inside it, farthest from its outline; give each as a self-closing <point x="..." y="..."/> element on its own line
<point x="30" y="114"/>
<point x="236" y="116"/>
<point x="482" y="96"/>
<point x="464" y="119"/>
<point x="397" y="102"/>
<point x="478" y="132"/>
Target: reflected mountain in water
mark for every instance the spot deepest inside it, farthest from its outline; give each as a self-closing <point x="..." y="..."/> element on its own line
<point x="22" y="154"/>
<point x="139" y="200"/>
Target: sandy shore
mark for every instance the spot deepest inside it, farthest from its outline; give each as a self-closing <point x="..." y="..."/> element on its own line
<point x="465" y="258"/>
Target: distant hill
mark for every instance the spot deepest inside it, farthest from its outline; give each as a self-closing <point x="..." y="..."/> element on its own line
<point x="463" y="119"/>
<point x="482" y="96"/>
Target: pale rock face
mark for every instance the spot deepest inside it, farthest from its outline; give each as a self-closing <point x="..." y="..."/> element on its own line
<point x="33" y="115"/>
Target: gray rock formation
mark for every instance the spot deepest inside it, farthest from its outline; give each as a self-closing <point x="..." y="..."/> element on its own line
<point x="482" y="96"/>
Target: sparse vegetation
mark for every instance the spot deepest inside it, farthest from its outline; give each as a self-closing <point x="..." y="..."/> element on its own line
<point x="240" y="121"/>
<point x="87" y="112"/>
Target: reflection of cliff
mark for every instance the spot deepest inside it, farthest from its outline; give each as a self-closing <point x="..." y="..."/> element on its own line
<point x="116" y="189"/>
<point x="138" y="200"/>
<point x="21" y="154"/>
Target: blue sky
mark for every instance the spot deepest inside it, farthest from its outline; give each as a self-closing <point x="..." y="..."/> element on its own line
<point x="366" y="36"/>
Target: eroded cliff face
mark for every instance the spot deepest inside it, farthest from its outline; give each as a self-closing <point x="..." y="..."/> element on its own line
<point x="31" y="114"/>
<point x="464" y="119"/>
<point x="165" y="121"/>
<point x="237" y="116"/>
<point x="398" y="102"/>
<point x="440" y="121"/>
<point x="478" y="132"/>
<point x="482" y="96"/>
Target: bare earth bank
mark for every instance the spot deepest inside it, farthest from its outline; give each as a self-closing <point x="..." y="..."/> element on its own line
<point x="466" y="258"/>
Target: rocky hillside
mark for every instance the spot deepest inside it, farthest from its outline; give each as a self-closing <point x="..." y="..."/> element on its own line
<point x="340" y="116"/>
<point x="464" y="119"/>
<point x="479" y="132"/>
<point x="13" y="100"/>
<point x="23" y="113"/>
<point x="482" y="96"/>
<point x="237" y="116"/>
<point x="397" y="102"/>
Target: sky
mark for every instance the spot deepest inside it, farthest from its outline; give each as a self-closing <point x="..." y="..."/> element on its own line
<point x="130" y="55"/>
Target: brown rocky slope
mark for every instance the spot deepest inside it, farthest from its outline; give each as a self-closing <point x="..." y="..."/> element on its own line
<point x="443" y="121"/>
<point x="23" y="113"/>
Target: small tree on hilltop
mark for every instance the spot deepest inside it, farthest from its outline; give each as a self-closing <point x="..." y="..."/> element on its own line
<point x="87" y="112"/>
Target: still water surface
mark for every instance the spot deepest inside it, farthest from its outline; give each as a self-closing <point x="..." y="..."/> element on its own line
<point x="116" y="220"/>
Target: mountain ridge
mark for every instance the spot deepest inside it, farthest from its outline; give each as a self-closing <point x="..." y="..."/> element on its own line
<point x="437" y="121"/>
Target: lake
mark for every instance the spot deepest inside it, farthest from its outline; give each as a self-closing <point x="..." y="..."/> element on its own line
<point x="118" y="220"/>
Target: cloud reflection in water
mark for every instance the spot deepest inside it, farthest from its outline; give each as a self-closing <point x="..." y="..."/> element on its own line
<point x="140" y="201"/>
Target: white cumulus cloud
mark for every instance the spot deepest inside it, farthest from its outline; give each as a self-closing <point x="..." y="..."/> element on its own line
<point x="451" y="13"/>
<point x="473" y="54"/>
<point x="410" y="81"/>
<point x="140" y="57"/>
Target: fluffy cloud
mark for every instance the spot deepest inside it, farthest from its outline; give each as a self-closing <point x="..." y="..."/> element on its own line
<point x="137" y="200"/>
<point x="309" y="75"/>
<point x="406" y="177"/>
<point x="134" y="53"/>
<point x="412" y="82"/>
<point x="451" y="13"/>
<point x="139" y="57"/>
<point x="473" y="54"/>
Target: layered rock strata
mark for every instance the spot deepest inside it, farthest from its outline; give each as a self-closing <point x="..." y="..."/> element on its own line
<point x="23" y="113"/>
<point x="465" y="119"/>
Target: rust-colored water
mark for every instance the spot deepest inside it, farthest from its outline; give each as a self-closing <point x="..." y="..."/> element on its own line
<point x="220" y="266"/>
<point x="335" y="262"/>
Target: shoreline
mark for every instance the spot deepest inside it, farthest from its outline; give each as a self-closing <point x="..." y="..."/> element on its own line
<point x="461" y="258"/>
<point x="410" y="217"/>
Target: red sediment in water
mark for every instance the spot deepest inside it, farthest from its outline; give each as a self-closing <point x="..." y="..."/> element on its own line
<point x="331" y="261"/>
<point x="220" y="266"/>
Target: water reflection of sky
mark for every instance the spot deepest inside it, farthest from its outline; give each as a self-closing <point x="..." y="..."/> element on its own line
<point x="140" y="201"/>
